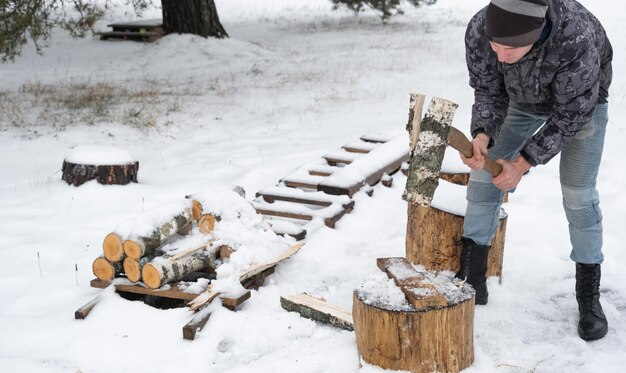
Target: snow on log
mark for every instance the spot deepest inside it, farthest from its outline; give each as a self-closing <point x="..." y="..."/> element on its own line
<point x="433" y="235"/>
<point x="107" y="164"/>
<point x="165" y="269"/>
<point x="394" y="335"/>
<point x="106" y="270"/>
<point x="138" y="246"/>
<point x="425" y="165"/>
<point x="318" y="310"/>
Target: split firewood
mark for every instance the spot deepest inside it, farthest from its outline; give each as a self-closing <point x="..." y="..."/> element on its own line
<point x="419" y="291"/>
<point x="138" y="246"/>
<point x="318" y="310"/>
<point x="113" y="248"/>
<point x="165" y="269"/>
<point x="196" y="209"/>
<point x="106" y="270"/>
<point x="415" y="118"/>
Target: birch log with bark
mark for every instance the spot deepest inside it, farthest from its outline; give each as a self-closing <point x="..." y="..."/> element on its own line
<point x="106" y="270"/>
<point x="165" y="269"/>
<point x="133" y="267"/>
<point x="138" y="246"/>
<point x="424" y="167"/>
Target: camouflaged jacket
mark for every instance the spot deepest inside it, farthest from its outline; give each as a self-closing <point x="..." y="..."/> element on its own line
<point x="563" y="76"/>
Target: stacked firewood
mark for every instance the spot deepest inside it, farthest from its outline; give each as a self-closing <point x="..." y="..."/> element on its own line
<point x="147" y="257"/>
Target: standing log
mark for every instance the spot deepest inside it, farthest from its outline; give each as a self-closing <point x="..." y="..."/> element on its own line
<point x="138" y="246"/>
<point x="431" y="338"/>
<point x="163" y="269"/>
<point x="106" y="270"/>
<point x="433" y="240"/>
<point x="113" y="247"/>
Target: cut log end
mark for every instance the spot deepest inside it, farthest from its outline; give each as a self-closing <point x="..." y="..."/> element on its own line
<point x="113" y="247"/>
<point x="196" y="209"/>
<point x="132" y="249"/>
<point x="132" y="269"/>
<point x="103" y="269"/>
<point x="151" y="276"/>
<point x="206" y="223"/>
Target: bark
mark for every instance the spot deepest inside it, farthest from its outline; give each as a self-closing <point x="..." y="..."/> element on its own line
<point x="197" y="17"/>
<point x="433" y="240"/>
<point x="138" y="246"/>
<point x="425" y="164"/>
<point x="317" y="310"/>
<point x="438" y="339"/>
<point x="77" y="174"/>
<point x="163" y="270"/>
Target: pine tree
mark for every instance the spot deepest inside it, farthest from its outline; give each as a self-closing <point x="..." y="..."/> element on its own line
<point x="384" y="8"/>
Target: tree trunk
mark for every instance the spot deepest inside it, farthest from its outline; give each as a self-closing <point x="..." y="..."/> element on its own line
<point x="197" y="17"/>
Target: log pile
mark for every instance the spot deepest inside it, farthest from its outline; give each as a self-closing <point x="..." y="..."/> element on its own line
<point x="153" y="258"/>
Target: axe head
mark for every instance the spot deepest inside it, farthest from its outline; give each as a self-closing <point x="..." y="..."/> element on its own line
<point x="429" y="152"/>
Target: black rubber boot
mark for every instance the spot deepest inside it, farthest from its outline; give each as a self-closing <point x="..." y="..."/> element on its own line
<point x="474" y="268"/>
<point x="592" y="324"/>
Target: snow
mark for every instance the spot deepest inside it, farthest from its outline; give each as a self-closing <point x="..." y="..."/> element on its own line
<point x="98" y="155"/>
<point x="294" y="82"/>
<point x="450" y="197"/>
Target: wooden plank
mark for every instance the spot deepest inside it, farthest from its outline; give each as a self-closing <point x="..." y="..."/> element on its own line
<point x="196" y="324"/>
<point x="175" y="290"/>
<point x="372" y="179"/>
<point x="299" y="184"/>
<point x="129" y="35"/>
<point x="208" y="295"/>
<point x="375" y="138"/>
<point x="419" y="291"/>
<point x="232" y="303"/>
<point x="132" y="25"/>
<point x="310" y="198"/>
<point x="84" y="311"/>
<point x="318" y="310"/>
<point x="330" y="217"/>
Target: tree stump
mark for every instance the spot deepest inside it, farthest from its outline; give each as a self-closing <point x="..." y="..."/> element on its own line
<point x="108" y="165"/>
<point x="433" y="237"/>
<point x="422" y="335"/>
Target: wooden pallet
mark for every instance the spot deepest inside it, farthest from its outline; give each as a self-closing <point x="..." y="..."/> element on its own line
<point x="319" y="191"/>
<point x="146" y="30"/>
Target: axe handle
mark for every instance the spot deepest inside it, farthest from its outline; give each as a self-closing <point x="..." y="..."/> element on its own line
<point x="458" y="141"/>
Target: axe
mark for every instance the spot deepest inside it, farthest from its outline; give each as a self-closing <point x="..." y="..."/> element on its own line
<point x="428" y="145"/>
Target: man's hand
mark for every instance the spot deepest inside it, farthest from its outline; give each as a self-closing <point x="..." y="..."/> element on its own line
<point x="479" y="146"/>
<point x="511" y="174"/>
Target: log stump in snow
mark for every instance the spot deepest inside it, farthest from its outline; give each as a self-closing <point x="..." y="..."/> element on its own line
<point x="108" y="165"/>
<point x="433" y="236"/>
<point x="417" y="333"/>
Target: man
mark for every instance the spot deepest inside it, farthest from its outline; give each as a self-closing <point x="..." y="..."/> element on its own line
<point x="540" y="70"/>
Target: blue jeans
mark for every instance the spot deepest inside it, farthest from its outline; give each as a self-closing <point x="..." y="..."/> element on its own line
<point x="580" y="160"/>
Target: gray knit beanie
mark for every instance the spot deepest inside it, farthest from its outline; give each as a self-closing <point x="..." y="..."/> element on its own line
<point x="515" y="23"/>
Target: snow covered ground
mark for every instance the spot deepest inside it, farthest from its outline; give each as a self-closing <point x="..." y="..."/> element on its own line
<point x="293" y="82"/>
